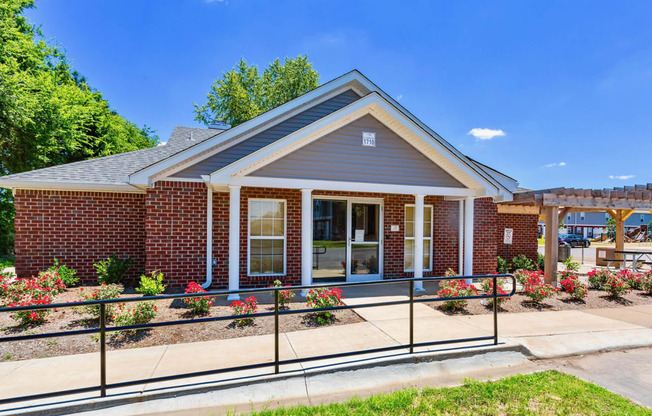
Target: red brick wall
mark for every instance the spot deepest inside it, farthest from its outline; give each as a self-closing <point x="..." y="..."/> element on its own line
<point x="166" y="230"/>
<point x="176" y="231"/>
<point x="79" y="229"/>
<point x="484" y="236"/>
<point x="525" y="235"/>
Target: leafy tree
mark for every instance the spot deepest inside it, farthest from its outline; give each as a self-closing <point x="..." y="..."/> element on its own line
<point x="241" y="94"/>
<point x="611" y="225"/>
<point x="49" y="115"/>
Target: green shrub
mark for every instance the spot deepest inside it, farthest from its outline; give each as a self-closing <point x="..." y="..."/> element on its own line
<point x="112" y="270"/>
<point x="139" y="314"/>
<point x="105" y="291"/>
<point x="66" y="274"/>
<point x="522" y="262"/>
<point x="151" y="285"/>
<point x="571" y="265"/>
<point x="541" y="261"/>
<point x="646" y="284"/>
<point x="503" y="267"/>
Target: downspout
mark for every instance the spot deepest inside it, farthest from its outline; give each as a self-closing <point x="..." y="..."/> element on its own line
<point x="209" y="235"/>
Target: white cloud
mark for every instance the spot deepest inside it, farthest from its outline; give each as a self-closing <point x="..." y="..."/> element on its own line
<point x="555" y="164"/>
<point x="162" y="143"/>
<point x="398" y="98"/>
<point x="621" y="177"/>
<point x="485" y="134"/>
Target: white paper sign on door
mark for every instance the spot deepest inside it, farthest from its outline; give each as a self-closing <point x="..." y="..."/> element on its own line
<point x="359" y="236"/>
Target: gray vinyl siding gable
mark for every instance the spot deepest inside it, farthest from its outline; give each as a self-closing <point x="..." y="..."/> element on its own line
<point x="340" y="156"/>
<point x="268" y="136"/>
<point x="600" y="219"/>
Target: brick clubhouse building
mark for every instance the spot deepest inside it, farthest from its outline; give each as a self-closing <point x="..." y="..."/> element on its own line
<point x="339" y="184"/>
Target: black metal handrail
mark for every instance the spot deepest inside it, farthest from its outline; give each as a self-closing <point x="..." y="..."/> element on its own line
<point x="103" y="328"/>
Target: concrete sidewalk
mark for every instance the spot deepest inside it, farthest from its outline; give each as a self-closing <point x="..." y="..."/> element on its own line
<point x="536" y="334"/>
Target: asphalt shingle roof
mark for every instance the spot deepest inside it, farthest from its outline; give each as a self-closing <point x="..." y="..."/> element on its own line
<point x="114" y="169"/>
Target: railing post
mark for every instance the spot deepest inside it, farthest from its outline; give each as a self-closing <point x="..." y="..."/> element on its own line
<point x="276" y="331"/>
<point x="411" y="316"/>
<point x="102" y="349"/>
<point x="495" y="310"/>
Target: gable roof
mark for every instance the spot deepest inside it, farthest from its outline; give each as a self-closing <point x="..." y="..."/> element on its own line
<point x="142" y="168"/>
<point x="108" y="172"/>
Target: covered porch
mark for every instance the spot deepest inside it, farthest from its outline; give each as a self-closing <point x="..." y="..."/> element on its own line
<point x="552" y="205"/>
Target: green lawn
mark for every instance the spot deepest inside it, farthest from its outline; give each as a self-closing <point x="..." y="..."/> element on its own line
<point x="544" y="393"/>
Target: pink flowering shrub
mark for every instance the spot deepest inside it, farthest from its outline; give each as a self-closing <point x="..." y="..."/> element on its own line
<point x="633" y="280"/>
<point x="536" y="288"/>
<point x="454" y="289"/>
<point x="570" y="283"/>
<point x="138" y="314"/>
<point x="31" y="317"/>
<point x="284" y="296"/>
<point x="324" y="298"/>
<point x="646" y="284"/>
<point x="247" y="307"/>
<point x="598" y="278"/>
<point x="488" y="288"/>
<point x="199" y="305"/>
<point x="105" y="291"/>
<point x="616" y="285"/>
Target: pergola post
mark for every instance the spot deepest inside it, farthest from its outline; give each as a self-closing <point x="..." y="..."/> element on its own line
<point x="620" y="216"/>
<point x="552" y="245"/>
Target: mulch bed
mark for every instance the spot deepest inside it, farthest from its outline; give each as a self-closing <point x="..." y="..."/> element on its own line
<point x="65" y="319"/>
<point x="597" y="299"/>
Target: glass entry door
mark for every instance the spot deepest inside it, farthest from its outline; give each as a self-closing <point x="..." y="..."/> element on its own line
<point x="346" y="240"/>
<point x="364" y="241"/>
<point x="329" y="240"/>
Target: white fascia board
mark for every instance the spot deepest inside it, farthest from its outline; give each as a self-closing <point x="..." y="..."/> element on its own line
<point x="249" y="128"/>
<point x="69" y="186"/>
<point x="335" y="120"/>
<point x="257" y="181"/>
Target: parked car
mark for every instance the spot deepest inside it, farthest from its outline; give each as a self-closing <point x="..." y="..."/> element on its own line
<point x="574" y="240"/>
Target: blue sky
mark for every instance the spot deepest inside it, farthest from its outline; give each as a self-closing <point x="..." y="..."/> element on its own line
<point x="569" y="83"/>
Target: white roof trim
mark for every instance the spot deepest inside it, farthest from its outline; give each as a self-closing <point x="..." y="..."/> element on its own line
<point x="207" y="148"/>
<point x="377" y="106"/>
<point x="257" y="181"/>
<point x="71" y="186"/>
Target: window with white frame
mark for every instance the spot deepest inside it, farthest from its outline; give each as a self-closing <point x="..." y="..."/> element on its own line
<point x="267" y="236"/>
<point x="582" y="217"/>
<point x="410" y="241"/>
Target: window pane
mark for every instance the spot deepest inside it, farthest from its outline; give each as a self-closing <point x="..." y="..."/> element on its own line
<point x="409" y="213"/>
<point x="266" y="264"/>
<point x="254" y="265"/>
<point x="409" y="254"/>
<point x="426" y="254"/>
<point x="278" y="264"/>
<point x="279" y="227"/>
<point x="427" y="221"/>
<point x="268" y="226"/>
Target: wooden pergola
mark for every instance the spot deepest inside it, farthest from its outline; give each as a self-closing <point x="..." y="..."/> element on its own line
<point x="554" y="204"/>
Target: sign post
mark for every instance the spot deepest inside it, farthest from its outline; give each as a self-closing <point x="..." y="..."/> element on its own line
<point x="507" y="240"/>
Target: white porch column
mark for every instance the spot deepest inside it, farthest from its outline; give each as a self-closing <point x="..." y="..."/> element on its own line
<point x="460" y="239"/>
<point x="468" y="237"/>
<point x="418" y="240"/>
<point x="209" y="238"/>
<point x="306" y="239"/>
<point x="234" y="240"/>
